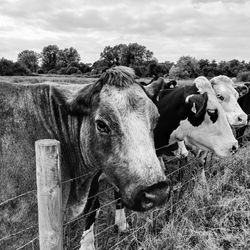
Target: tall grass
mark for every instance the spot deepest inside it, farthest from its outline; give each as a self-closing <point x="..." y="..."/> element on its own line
<point x="211" y="212"/>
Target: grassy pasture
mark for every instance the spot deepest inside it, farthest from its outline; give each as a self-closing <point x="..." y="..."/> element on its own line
<point x="52" y="78"/>
<point x="210" y="211"/>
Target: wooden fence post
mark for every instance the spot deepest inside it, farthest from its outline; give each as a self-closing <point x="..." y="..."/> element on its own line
<point x="49" y="194"/>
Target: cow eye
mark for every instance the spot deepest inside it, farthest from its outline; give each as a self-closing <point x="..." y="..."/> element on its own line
<point x="102" y="127"/>
<point x="220" y="97"/>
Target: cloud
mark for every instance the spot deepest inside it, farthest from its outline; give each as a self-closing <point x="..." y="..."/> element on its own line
<point x="222" y="1"/>
<point x="195" y="27"/>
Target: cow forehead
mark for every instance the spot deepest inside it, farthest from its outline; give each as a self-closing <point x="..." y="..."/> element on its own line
<point x="226" y="90"/>
<point x="128" y="99"/>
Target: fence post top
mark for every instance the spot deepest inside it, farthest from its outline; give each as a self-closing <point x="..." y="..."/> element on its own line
<point x="47" y="142"/>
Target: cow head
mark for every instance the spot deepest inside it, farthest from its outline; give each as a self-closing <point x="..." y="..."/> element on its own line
<point x="227" y="97"/>
<point x="116" y="135"/>
<point x="206" y="127"/>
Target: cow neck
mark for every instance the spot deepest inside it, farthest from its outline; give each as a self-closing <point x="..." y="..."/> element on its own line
<point x="244" y="102"/>
<point x="63" y="127"/>
<point x="172" y="111"/>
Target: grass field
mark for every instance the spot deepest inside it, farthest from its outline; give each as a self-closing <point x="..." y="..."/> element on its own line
<point x="206" y="211"/>
<point x="210" y="211"/>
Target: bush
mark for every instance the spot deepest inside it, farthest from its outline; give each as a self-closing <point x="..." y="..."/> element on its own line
<point x="244" y="76"/>
<point x="73" y="64"/>
<point x="73" y="70"/>
<point x="140" y="71"/>
<point x="20" y="69"/>
<point x="62" y="71"/>
<point x="6" y="67"/>
<point x="40" y="71"/>
<point x="9" y="68"/>
<point x="84" y="67"/>
<point x="52" y="71"/>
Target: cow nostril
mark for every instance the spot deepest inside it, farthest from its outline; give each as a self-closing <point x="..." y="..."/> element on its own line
<point x="234" y="149"/>
<point x="239" y="119"/>
<point x="146" y="204"/>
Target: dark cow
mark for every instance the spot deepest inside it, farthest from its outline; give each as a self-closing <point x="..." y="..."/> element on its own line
<point x="244" y="102"/>
<point x="162" y="82"/>
<point x="107" y="125"/>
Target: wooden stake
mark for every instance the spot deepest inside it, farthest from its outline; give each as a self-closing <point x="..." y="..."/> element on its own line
<point x="49" y="194"/>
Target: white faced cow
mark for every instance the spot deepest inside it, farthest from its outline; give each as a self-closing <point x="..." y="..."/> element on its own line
<point x="227" y="96"/>
<point x="105" y="126"/>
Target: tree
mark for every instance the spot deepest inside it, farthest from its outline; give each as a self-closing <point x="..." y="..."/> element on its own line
<point x="158" y="69"/>
<point x="135" y="54"/>
<point x="100" y="66"/>
<point x="174" y="72"/>
<point x="84" y="68"/>
<point x="204" y="66"/>
<point x="49" y="57"/>
<point x="189" y="66"/>
<point x="67" y="56"/>
<point x="113" y="55"/>
<point x="9" y="68"/>
<point x="29" y="58"/>
<point x="131" y="55"/>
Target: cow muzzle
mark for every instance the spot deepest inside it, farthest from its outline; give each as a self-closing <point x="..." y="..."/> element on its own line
<point x="239" y="121"/>
<point x="228" y="150"/>
<point x="150" y="197"/>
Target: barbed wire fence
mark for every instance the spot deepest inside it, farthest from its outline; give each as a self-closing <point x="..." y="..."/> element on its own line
<point x="132" y="217"/>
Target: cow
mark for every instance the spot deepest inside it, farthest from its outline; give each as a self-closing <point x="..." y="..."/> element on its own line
<point x="195" y="112"/>
<point x="168" y="85"/>
<point x="244" y="102"/>
<point x="162" y="82"/>
<point x="194" y="115"/>
<point x="227" y="94"/>
<point x="103" y="126"/>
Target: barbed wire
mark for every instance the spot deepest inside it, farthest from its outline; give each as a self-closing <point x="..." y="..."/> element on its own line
<point x="179" y="209"/>
<point x="106" y="190"/>
<point x="30" y="242"/>
<point x="16" y="197"/>
<point x="157" y="209"/>
<point x="179" y="217"/>
<point x="17" y="233"/>
<point x="88" y="174"/>
<point x="147" y="222"/>
<point x="79" y="177"/>
<point x="84" y="215"/>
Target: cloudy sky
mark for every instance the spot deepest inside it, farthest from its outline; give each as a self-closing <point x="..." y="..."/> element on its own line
<point x="213" y="29"/>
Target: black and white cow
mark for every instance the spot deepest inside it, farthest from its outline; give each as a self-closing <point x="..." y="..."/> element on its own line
<point x="244" y="102"/>
<point x="227" y="94"/>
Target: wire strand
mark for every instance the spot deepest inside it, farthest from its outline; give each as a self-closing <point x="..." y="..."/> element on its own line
<point x="17" y="233"/>
<point x="16" y="197"/>
<point x="30" y="242"/>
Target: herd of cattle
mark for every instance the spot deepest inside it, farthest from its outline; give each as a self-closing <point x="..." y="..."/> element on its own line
<point x="110" y="127"/>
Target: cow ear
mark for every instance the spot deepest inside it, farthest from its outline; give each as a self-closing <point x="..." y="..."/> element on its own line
<point x="242" y="89"/>
<point x="76" y="102"/>
<point x="155" y="88"/>
<point x="197" y="103"/>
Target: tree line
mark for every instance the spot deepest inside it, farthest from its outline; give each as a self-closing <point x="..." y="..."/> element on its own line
<point x="53" y="60"/>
